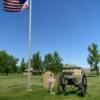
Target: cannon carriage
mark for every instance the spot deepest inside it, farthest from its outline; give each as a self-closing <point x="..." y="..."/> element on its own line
<point x="72" y="76"/>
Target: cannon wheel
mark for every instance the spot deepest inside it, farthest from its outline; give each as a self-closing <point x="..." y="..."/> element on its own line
<point x="61" y="89"/>
<point x="84" y="85"/>
<point x="59" y="85"/>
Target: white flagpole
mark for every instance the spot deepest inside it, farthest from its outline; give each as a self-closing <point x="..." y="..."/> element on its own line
<point x="29" y="46"/>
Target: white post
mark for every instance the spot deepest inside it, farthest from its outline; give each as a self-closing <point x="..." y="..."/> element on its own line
<point x="29" y="46"/>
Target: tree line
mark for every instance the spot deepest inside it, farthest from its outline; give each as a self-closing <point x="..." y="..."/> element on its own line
<point x="51" y="61"/>
<point x="8" y="63"/>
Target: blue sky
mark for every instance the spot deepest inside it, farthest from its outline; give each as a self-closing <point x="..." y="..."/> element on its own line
<point x="66" y="26"/>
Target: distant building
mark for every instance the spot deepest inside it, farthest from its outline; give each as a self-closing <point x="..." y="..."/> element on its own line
<point x="33" y="72"/>
<point x="72" y="68"/>
<point x="26" y="71"/>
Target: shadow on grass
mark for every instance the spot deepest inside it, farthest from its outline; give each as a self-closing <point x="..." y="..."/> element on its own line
<point x="91" y="75"/>
<point x="76" y="92"/>
<point x="71" y="92"/>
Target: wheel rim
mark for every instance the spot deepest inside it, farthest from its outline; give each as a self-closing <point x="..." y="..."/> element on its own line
<point x="84" y="85"/>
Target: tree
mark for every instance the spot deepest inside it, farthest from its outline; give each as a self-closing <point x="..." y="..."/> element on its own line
<point x="53" y="62"/>
<point x="48" y="61"/>
<point x="37" y="61"/>
<point x="23" y="65"/>
<point x="7" y="63"/>
<point x="94" y="57"/>
<point x="57" y="62"/>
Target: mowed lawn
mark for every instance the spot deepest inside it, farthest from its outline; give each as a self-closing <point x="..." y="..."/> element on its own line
<point x="13" y="87"/>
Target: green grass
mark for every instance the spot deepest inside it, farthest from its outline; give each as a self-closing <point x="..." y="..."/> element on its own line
<point x="14" y="88"/>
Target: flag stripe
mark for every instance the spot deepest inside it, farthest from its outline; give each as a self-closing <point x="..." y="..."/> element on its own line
<point x="12" y="7"/>
<point x="8" y="3"/>
<point x="12" y="1"/>
<point x="11" y="10"/>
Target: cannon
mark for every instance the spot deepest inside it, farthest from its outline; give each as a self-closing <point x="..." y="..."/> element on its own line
<point x="72" y="76"/>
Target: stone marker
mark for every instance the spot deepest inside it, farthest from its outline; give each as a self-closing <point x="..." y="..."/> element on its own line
<point x="46" y="77"/>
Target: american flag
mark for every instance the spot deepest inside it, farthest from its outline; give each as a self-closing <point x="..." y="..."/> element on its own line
<point x="15" y="5"/>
